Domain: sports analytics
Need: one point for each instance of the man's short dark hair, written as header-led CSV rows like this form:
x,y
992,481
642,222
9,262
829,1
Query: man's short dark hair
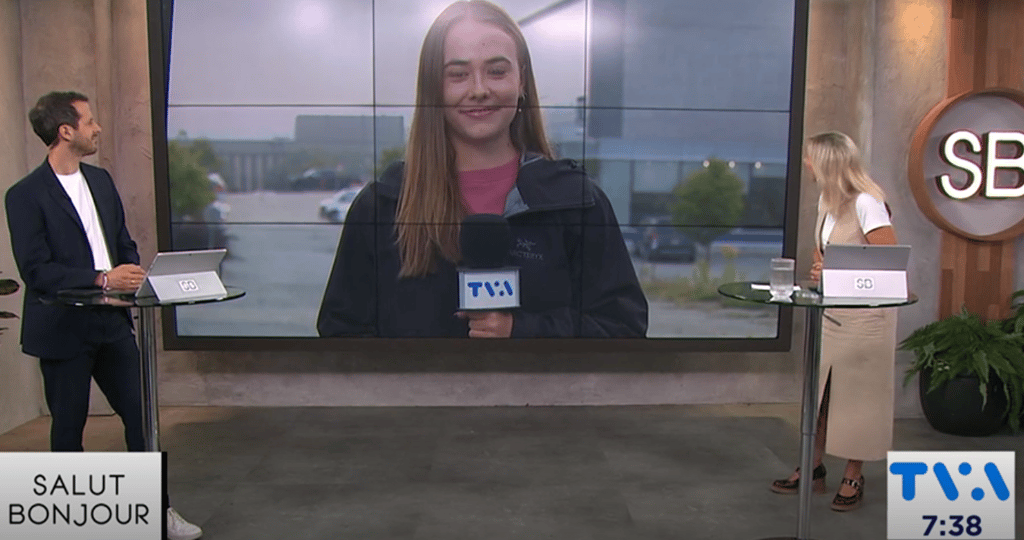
x,y
53,111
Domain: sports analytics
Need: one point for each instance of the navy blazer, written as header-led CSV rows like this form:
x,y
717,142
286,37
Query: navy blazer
x,y
53,253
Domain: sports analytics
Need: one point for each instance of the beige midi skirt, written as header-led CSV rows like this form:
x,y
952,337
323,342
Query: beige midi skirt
x,y
860,355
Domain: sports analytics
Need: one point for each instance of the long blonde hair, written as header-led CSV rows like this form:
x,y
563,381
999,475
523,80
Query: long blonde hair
x,y
837,167
430,204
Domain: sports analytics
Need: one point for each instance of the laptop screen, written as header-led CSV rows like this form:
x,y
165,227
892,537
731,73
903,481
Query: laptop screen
x,y
866,257
203,266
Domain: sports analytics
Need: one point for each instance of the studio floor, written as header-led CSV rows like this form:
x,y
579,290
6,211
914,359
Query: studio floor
x,y
494,473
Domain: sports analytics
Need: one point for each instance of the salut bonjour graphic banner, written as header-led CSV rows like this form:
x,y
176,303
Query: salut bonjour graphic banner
x,y
82,495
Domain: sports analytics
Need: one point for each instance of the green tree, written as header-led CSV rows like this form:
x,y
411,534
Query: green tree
x,y
389,156
592,166
205,156
708,203
190,189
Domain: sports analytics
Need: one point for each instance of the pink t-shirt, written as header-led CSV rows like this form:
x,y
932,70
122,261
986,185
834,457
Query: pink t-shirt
x,y
484,191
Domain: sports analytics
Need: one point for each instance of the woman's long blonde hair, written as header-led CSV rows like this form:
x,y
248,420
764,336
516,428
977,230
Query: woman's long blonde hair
x,y
837,167
430,205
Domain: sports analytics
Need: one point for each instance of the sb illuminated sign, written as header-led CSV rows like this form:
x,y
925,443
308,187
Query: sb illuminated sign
x,y
983,174
966,164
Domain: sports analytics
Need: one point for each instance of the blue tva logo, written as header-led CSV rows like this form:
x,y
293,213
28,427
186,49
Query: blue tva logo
x,y
499,288
910,470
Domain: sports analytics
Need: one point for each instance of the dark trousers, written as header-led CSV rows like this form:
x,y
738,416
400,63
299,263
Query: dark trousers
x,y
111,357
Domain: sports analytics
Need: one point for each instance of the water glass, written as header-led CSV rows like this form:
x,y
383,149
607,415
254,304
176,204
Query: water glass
x,y
781,278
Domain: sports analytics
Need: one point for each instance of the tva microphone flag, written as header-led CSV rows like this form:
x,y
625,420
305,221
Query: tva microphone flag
x,y
486,282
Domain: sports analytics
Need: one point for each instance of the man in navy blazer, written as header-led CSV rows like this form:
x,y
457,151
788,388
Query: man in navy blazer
x,y
68,231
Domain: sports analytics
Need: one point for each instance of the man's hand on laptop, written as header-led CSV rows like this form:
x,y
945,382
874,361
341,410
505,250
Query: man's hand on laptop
x,y
126,277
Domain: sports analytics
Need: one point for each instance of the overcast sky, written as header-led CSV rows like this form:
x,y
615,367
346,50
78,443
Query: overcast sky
x,y
244,70
342,54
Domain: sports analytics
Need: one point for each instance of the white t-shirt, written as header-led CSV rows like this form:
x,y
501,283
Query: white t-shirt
x,y
76,188
871,214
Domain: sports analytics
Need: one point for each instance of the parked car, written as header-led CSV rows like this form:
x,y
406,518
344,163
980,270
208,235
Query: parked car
x,y
322,179
751,241
751,235
335,207
631,236
662,241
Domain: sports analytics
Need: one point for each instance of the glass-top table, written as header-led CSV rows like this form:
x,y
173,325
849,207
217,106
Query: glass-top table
x,y
98,299
806,296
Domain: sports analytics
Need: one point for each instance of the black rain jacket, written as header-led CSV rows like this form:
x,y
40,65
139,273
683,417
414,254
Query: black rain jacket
x,y
576,276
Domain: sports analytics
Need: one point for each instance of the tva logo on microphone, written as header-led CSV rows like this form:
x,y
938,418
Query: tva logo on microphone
x,y
489,289
500,286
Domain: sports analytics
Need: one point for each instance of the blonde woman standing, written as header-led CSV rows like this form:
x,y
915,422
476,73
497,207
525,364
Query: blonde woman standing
x,y
858,345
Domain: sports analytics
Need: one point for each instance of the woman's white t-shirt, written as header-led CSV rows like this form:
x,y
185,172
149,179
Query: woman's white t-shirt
x,y
871,213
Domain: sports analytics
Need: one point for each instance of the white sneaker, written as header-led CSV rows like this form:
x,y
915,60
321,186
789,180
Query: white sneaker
x,y
179,529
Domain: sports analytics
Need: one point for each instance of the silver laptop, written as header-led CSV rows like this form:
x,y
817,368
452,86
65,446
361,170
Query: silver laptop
x,y
184,275
865,273
866,257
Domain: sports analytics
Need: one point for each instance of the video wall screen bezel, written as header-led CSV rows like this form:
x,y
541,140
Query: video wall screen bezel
x,y
160,18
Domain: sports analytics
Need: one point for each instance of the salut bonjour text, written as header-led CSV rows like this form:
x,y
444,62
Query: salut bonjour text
x,y
89,512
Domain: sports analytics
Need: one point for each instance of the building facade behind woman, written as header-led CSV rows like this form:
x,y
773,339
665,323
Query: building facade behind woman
x,y
858,345
477,146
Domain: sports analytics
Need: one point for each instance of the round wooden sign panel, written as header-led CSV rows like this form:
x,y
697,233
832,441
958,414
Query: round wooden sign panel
x,y
966,166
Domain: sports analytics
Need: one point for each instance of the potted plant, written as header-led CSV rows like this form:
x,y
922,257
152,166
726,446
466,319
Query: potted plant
x,y
7,286
1015,322
971,373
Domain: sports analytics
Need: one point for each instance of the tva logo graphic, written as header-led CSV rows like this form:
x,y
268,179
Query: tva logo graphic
x,y
498,288
939,494
910,470
489,289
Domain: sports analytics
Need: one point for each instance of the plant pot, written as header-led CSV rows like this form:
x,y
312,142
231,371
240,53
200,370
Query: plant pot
x,y
956,406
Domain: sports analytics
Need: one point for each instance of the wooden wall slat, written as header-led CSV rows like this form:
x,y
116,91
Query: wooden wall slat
x,y
961,41
980,274
970,295
981,46
1008,252
946,265
1008,44
959,271
984,259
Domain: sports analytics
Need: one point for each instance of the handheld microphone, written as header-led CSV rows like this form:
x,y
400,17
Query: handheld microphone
x,y
486,282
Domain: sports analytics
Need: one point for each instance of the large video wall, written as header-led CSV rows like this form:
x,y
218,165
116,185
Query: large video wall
x,y
280,112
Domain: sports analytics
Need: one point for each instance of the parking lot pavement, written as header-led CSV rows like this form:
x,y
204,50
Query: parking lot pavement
x,y
707,320
283,266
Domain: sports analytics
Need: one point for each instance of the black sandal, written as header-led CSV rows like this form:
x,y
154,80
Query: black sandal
x,y
786,486
842,503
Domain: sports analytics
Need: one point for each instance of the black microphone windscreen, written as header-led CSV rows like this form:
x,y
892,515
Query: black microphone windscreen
x,y
485,240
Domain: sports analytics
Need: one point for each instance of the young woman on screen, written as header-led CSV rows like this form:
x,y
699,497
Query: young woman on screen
x,y
857,345
477,146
